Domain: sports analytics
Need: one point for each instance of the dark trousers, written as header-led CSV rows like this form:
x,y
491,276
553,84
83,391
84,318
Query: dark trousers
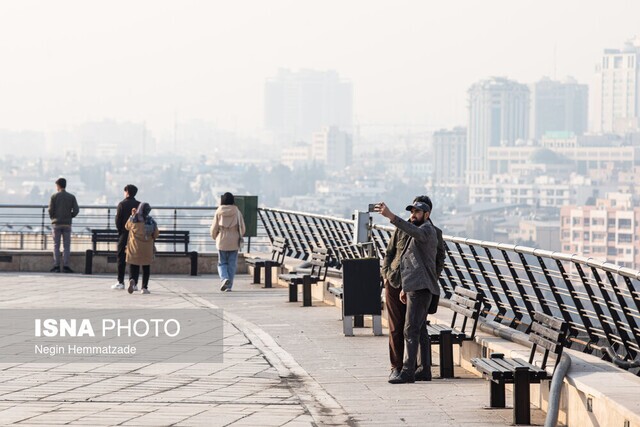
x,y
415,331
122,255
396,312
134,273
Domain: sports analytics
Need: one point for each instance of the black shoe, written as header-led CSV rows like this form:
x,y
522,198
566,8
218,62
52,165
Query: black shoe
x,y
66,269
395,372
55,269
403,378
423,374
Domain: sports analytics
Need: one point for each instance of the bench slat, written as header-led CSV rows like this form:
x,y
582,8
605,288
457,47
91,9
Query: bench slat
x,y
521,362
552,346
490,368
552,322
467,292
438,328
505,365
464,311
545,332
460,300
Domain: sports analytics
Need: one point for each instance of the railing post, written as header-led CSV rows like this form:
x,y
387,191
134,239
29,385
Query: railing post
x,y
534,285
43,246
597,308
505,291
554,290
575,297
523,293
617,320
175,224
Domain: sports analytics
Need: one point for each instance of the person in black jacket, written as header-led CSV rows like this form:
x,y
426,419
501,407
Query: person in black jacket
x,y
122,215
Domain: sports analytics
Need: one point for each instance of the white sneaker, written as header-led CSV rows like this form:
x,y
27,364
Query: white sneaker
x,y
132,286
225,285
144,291
118,286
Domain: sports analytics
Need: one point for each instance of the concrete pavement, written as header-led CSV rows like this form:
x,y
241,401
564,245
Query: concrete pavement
x,y
283,365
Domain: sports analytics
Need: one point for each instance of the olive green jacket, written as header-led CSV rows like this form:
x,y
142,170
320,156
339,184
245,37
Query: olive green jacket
x,y
391,262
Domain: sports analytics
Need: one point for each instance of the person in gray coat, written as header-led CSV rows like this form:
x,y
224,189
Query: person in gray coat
x,y
419,281
63,207
396,310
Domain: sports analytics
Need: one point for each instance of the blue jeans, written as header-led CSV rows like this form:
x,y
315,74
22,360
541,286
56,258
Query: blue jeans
x,y
63,231
227,265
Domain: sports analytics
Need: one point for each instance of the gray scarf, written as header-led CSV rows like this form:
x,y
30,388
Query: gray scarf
x,y
142,215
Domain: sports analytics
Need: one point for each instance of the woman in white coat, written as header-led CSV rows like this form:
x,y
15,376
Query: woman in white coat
x,y
227,229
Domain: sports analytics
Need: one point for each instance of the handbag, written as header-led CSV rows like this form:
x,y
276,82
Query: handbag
x,y
433,306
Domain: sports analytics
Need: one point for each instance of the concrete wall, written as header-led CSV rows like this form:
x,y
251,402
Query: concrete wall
x,y
41,261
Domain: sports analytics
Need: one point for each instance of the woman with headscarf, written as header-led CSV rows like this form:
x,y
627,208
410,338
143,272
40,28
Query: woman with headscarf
x,y
143,231
227,230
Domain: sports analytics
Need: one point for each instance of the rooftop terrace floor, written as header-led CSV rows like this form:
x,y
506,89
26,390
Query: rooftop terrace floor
x,y
284,365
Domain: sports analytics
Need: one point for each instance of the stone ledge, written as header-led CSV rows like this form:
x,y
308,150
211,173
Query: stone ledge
x,y
41,262
613,391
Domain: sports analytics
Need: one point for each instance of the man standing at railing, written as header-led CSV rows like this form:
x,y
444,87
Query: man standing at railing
x,y
415,270
122,216
63,207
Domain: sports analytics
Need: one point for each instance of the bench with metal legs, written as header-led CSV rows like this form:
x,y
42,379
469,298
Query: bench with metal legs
x,y
278,252
466,304
547,332
319,265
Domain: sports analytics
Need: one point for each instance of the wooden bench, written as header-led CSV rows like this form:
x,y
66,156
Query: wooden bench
x,y
319,265
467,304
278,252
547,332
174,237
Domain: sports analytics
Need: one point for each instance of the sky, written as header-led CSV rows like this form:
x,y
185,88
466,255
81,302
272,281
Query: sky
x,y
411,62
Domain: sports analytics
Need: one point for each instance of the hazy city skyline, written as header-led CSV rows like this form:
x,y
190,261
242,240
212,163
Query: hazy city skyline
x,y
68,62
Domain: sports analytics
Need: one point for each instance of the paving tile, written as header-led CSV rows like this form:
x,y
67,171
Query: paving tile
x,y
245,389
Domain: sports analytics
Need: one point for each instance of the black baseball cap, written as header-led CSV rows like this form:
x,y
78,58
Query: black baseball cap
x,y
419,205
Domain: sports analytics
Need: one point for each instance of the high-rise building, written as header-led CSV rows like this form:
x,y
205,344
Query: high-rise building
x,y
616,90
332,147
298,103
449,156
498,116
558,106
604,230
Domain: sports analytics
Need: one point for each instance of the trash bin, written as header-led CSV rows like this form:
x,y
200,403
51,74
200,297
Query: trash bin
x,y
361,292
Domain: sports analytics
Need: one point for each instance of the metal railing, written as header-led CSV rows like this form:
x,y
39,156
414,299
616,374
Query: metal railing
x,y
600,301
27,227
304,231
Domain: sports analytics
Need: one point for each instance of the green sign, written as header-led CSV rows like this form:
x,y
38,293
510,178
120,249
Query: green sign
x,y
248,205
